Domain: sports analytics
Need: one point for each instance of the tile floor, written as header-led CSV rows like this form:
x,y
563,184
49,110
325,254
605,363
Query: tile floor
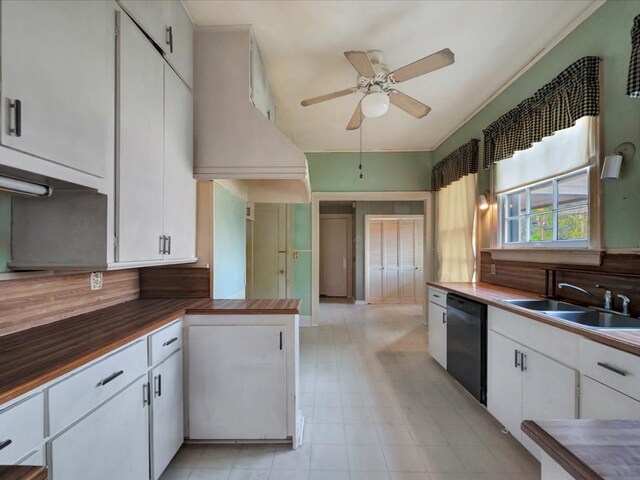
x,y
377,407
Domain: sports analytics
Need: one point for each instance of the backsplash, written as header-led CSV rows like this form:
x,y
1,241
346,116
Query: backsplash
x,y
619,272
30,302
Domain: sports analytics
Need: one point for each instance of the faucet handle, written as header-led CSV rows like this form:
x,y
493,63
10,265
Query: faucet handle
x,y
608,297
625,303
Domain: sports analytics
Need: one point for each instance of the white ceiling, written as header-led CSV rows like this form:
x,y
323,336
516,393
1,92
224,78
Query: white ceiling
x,y
302,44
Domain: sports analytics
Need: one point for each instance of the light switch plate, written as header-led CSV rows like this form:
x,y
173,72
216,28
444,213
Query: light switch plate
x,y
493,269
96,280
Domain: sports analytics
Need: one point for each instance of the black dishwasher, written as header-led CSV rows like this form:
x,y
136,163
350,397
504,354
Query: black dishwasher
x,y
467,344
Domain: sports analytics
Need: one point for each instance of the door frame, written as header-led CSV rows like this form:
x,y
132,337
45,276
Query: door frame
x,y
349,217
367,221
317,197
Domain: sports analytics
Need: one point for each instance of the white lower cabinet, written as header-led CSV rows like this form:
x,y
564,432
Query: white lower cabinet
x,y
438,333
523,384
111,442
598,401
21,429
167,411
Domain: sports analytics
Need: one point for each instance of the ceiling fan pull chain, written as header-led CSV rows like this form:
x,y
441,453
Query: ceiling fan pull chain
x,y
360,166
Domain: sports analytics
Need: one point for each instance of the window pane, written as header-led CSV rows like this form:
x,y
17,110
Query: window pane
x,y
517,204
516,230
573,190
573,224
542,227
542,197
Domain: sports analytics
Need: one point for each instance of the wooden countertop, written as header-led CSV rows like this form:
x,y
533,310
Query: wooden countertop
x,y
33,357
590,449
627,340
23,473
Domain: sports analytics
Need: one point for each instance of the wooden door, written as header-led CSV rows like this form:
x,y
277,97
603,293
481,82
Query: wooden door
x,y
411,255
549,391
438,333
237,382
140,163
504,382
598,401
58,60
391,261
179,185
335,255
167,432
375,264
270,251
112,442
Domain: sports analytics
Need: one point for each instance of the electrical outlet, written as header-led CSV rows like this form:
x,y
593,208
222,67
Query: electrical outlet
x,y
493,269
96,280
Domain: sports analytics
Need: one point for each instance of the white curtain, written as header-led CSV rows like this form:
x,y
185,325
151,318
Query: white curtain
x,y
456,206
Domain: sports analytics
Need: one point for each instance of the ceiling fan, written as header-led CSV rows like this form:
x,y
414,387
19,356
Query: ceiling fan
x,y
377,83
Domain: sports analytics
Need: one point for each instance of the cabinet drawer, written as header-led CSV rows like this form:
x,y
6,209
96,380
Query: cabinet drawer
x,y
21,429
439,297
164,342
76,395
614,368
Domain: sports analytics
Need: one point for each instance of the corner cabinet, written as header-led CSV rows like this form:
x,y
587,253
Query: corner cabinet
x,y
58,71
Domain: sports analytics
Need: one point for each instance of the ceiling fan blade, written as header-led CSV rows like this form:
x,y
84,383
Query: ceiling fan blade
x,y
356,118
408,104
327,96
433,62
360,61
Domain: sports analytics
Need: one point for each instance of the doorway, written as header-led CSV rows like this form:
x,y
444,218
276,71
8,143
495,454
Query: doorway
x,y
336,243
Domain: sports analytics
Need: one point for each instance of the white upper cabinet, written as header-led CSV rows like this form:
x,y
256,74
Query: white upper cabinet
x,y
261,93
58,84
179,185
169,26
140,175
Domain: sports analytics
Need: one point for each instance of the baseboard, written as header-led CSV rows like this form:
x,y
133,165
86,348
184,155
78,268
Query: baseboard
x,y
305,320
362,302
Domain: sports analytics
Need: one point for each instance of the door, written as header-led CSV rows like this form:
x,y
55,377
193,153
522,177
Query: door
x,y
112,442
58,61
179,185
390,261
180,50
411,265
375,266
504,381
335,255
237,382
167,432
140,176
549,392
598,401
153,16
270,251
438,333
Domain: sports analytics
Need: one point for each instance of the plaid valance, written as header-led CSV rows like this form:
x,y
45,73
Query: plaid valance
x,y
462,161
633,82
573,94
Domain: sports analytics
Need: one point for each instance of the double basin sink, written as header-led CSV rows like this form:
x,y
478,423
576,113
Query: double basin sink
x,y
584,316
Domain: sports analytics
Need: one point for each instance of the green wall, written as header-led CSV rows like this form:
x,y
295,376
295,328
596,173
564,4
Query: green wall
x,y
5,231
229,252
605,34
383,171
301,244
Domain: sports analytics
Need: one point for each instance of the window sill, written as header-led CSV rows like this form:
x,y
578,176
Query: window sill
x,y
560,256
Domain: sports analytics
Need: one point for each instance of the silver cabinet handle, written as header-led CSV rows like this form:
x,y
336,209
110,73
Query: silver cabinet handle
x,y
168,252
146,394
515,358
613,369
523,362
161,245
157,386
170,341
436,296
5,443
444,317
110,378
169,39
15,107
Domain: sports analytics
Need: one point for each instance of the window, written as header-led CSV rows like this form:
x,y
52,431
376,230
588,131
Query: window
x,y
551,213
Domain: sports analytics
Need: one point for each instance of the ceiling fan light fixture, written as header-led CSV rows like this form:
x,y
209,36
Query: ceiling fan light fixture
x,y
375,104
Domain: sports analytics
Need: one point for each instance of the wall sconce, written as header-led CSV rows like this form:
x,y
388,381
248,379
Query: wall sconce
x,y
613,162
483,200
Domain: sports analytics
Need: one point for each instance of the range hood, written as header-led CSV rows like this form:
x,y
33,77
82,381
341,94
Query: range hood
x,y
235,135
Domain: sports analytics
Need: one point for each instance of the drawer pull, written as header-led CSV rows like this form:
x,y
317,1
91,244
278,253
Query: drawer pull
x,y
169,342
434,295
612,369
5,444
110,378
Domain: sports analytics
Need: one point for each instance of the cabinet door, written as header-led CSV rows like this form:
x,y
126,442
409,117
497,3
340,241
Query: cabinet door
x,y
600,402
167,432
153,16
180,51
438,333
112,442
237,382
58,61
549,392
140,177
179,185
504,382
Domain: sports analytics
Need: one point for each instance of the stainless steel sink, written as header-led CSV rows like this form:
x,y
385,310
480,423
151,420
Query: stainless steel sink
x,y
546,305
598,319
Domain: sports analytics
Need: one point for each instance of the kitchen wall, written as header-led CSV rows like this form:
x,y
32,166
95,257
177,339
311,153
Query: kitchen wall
x,y
5,231
605,34
229,255
301,246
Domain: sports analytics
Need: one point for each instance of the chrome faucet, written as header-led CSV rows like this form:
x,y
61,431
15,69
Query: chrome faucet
x,y
625,303
581,290
608,297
